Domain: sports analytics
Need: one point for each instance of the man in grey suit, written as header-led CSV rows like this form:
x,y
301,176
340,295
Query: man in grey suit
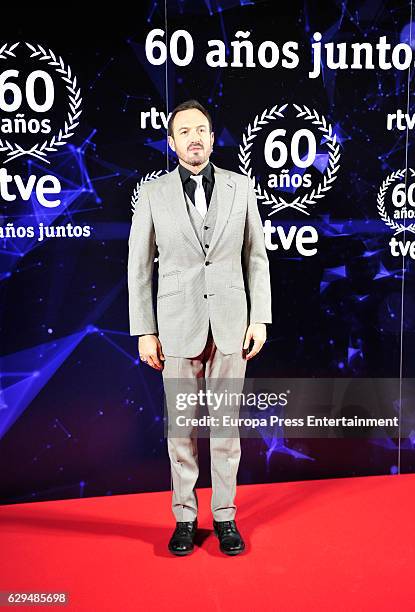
x,y
213,301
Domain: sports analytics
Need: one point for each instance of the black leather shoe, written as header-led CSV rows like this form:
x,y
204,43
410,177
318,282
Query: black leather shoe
x,y
181,542
230,540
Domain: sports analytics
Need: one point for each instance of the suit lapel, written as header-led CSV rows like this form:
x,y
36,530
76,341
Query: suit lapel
x,y
225,192
175,197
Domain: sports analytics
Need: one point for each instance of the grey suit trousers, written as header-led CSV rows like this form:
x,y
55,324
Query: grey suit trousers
x,y
225,452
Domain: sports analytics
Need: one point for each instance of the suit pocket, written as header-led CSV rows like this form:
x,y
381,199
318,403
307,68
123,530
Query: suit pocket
x,y
169,284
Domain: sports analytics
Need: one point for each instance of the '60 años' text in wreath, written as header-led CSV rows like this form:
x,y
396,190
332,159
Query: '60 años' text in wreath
x,y
329,176
398,227
40,150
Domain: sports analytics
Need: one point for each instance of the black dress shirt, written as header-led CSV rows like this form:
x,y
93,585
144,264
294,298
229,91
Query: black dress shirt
x,y
189,186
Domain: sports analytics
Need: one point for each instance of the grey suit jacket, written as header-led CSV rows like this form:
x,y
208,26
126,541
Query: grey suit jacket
x,y
228,285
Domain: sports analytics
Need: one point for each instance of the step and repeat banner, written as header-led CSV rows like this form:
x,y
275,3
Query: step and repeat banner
x,y
313,101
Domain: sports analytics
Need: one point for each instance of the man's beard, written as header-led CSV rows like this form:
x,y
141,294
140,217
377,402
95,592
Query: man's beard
x,y
197,161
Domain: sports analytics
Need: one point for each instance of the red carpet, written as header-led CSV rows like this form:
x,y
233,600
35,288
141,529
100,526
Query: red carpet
x,y
344,544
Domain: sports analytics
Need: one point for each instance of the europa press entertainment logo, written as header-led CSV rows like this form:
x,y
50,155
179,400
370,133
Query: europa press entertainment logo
x,y
396,195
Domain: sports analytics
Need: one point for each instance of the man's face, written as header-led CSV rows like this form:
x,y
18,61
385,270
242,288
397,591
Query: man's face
x,y
191,139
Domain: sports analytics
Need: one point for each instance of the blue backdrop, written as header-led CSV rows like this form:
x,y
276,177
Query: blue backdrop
x,y
79,415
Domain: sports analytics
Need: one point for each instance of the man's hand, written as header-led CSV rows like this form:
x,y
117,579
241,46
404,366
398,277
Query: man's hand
x,y
150,351
258,333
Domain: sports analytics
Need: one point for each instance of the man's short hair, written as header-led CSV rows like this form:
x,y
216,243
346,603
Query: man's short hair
x,y
186,106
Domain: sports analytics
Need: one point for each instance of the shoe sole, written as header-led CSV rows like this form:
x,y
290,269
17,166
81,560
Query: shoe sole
x,y
181,554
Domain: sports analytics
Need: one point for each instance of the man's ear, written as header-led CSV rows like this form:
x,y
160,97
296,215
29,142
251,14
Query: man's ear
x,y
212,135
171,143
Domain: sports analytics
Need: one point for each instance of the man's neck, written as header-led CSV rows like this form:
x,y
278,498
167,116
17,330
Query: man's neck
x,y
194,169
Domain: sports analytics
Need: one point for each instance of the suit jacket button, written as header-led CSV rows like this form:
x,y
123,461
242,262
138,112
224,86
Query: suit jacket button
x,y
205,227
207,263
207,246
205,296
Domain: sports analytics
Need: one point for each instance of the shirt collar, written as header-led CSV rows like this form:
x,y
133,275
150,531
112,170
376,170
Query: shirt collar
x,y
207,172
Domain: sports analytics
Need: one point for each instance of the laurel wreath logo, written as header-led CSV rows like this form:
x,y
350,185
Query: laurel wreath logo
x,y
150,176
279,203
398,227
7,50
40,151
